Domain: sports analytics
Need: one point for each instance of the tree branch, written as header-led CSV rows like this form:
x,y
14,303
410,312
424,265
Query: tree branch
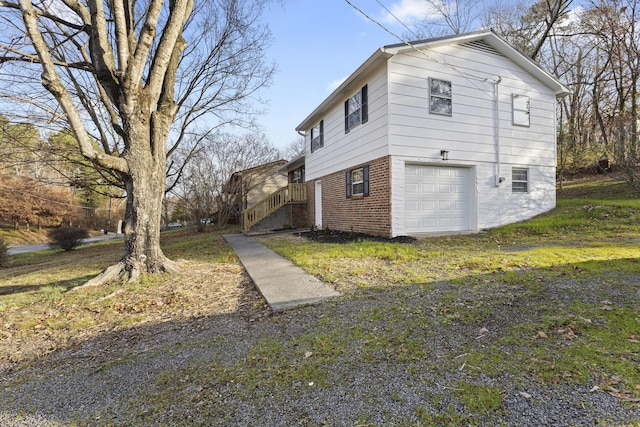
x,y
135,68
122,34
166,60
44,14
100,50
51,81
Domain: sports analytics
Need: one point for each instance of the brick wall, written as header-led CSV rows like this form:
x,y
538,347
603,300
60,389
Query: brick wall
x,y
370,214
298,215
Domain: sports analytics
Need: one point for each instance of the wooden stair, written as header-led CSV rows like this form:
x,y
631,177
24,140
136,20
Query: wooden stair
x,y
290,194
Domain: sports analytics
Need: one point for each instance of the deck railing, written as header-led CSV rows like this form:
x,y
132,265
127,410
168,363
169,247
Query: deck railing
x,y
265,207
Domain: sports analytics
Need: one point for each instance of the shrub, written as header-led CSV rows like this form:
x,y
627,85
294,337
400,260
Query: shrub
x,y
4,252
67,238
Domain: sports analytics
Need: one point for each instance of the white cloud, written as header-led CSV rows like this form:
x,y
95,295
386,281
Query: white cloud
x,y
408,12
334,84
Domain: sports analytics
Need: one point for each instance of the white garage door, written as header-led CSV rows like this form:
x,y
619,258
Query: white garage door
x,y
436,199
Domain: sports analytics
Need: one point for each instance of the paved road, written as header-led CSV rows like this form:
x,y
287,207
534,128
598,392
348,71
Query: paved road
x,y
14,250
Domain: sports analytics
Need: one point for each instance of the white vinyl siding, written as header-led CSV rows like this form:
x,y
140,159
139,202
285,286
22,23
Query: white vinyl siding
x,y
362,143
414,132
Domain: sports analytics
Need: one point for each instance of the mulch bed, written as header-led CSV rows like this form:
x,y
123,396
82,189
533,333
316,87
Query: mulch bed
x,y
333,236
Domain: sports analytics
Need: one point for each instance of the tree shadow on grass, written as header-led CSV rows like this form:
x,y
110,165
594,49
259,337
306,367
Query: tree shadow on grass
x,y
238,369
66,285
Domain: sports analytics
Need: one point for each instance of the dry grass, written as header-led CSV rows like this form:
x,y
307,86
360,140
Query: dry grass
x,y
39,314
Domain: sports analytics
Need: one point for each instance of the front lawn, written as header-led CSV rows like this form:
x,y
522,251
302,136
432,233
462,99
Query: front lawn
x,y
533,324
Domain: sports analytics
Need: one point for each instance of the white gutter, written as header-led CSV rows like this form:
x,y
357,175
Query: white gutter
x,y
496,131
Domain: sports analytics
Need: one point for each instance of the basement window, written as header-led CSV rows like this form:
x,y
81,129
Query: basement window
x,y
520,180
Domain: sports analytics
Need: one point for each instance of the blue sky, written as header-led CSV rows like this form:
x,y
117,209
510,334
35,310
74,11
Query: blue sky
x,y
317,44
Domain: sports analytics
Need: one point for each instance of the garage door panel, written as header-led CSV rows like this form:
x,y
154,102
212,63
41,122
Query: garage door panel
x,y
436,198
444,206
428,188
444,172
427,206
460,208
444,188
444,222
428,223
412,170
427,172
412,188
461,221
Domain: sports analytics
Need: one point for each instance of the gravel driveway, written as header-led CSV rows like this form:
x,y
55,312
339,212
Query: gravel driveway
x,y
275,369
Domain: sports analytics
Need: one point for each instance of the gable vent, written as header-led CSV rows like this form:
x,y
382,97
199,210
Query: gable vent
x,y
481,46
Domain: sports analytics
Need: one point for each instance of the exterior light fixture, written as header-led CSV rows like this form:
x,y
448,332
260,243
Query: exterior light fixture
x,y
444,154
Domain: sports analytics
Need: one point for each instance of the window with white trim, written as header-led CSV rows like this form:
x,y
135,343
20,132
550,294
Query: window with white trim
x,y
521,110
520,180
356,109
317,136
357,182
440,97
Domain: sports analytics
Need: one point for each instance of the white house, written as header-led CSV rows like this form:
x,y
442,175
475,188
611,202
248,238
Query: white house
x,y
447,134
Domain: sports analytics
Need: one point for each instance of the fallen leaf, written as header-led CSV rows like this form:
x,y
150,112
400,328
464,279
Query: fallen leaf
x,y
525,395
540,335
307,354
484,331
568,334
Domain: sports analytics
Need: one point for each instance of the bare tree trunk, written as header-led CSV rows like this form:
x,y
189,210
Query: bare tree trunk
x,y
145,185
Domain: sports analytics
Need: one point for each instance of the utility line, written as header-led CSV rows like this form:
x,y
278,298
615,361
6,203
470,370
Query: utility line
x,y
467,76
396,18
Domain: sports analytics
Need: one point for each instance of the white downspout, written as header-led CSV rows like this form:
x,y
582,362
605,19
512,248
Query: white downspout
x,y
496,131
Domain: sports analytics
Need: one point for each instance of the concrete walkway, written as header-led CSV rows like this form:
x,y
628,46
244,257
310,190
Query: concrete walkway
x,y
282,284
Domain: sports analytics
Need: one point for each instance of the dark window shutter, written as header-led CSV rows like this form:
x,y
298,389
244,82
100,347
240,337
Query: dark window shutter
x,y
348,180
364,98
321,133
365,180
346,116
